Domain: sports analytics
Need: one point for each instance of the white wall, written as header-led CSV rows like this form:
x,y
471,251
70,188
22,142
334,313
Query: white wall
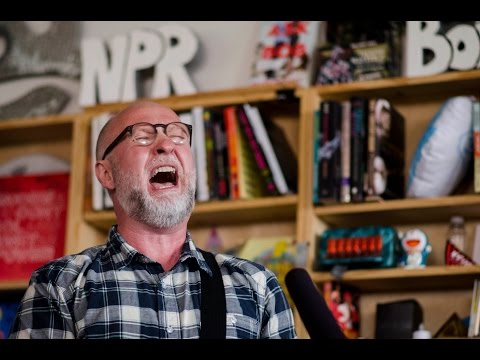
x,y
226,48
223,60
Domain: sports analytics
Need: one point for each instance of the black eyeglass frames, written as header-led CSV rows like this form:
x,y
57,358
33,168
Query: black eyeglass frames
x,y
145,134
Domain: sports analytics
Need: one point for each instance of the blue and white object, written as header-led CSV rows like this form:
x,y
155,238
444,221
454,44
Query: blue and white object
x,y
444,152
414,249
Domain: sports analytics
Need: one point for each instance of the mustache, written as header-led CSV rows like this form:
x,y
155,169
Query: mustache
x,y
162,159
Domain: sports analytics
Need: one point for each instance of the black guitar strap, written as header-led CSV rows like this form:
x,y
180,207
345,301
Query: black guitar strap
x,y
213,309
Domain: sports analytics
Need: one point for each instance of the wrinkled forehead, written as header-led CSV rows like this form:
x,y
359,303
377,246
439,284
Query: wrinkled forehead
x,y
149,112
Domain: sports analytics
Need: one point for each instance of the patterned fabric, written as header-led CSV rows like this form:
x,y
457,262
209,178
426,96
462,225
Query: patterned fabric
x,y
113,291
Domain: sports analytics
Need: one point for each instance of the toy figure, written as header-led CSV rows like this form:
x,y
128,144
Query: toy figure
x,y
414,247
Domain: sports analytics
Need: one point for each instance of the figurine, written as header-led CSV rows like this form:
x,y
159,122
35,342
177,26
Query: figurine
x,y
414,249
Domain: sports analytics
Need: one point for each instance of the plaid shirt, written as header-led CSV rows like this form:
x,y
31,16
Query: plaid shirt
x,y
113,291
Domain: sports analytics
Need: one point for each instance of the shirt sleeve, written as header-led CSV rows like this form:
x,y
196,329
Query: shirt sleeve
x,y
43,313
277,320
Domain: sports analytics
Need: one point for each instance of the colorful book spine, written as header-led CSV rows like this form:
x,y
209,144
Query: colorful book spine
x,y
221,155
262,136
386,152
316,151
476,144
203,193
324,169
345,196
359,111
210,154
330,158
256,150
232,139
251,183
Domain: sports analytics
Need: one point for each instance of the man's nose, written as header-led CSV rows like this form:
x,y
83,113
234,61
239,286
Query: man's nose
x,y
163,143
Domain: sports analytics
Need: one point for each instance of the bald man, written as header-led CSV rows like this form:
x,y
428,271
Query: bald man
x,y
150,280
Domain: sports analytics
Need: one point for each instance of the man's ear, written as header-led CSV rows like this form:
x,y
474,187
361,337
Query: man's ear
x,y
103,172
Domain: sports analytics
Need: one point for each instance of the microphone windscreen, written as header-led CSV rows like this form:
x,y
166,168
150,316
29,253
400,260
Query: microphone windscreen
x,y
310,304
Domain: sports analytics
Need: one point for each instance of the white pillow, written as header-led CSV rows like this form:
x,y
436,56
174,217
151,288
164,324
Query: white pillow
x,y
444,151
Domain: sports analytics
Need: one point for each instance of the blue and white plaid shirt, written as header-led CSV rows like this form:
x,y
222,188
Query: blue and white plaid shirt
x,y
113,291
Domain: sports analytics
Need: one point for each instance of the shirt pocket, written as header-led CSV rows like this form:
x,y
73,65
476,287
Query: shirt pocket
x,y
240,326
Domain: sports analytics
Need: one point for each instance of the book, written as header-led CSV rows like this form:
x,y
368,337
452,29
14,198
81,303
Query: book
x,y
385,152
33,216
262,136
210,153
268,184
287,158
203,193
250,181
285,51
474,324
231,130
358,147
324,190
476,144
221,155
329,157
345,155
317,141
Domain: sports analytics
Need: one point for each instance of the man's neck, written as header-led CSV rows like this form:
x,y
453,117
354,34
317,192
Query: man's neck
x,y
161,245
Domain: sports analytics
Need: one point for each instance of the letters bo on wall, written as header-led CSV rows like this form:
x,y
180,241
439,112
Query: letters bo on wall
x,y
110,69
434,47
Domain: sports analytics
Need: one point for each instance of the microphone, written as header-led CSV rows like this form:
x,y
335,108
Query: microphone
x,y
313,310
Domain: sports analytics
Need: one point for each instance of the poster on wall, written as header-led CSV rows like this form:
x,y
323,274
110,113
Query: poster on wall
x,y
39,68
33,221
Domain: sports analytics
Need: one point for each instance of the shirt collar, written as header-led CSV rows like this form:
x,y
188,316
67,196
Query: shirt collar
x,y
122,253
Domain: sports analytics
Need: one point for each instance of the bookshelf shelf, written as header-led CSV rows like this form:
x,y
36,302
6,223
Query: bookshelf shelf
x,y
460,81
36,130
7,285
399,279
221,212
266,92
404,211
39,121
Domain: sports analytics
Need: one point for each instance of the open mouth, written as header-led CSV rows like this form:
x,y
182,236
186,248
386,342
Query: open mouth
x,y
165,176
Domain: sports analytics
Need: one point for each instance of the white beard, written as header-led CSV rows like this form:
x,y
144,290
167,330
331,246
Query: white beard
x,y
165,212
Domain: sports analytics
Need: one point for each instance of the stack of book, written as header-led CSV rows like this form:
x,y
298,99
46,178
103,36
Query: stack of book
x,y
359,151
474,324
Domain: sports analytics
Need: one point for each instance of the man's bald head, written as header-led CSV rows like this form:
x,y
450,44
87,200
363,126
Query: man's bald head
x,y
130,115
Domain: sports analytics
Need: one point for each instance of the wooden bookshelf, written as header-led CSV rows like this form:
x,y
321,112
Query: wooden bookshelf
x,y
13,285
457,81
418,99
403,211
401,279
222,212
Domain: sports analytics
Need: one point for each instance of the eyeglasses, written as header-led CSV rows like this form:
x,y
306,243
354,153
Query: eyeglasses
x,y
145,134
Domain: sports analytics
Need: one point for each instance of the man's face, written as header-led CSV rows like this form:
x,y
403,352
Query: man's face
x,y
154,184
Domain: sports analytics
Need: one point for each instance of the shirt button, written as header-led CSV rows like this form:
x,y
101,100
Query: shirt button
x,y
234,320
169,329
